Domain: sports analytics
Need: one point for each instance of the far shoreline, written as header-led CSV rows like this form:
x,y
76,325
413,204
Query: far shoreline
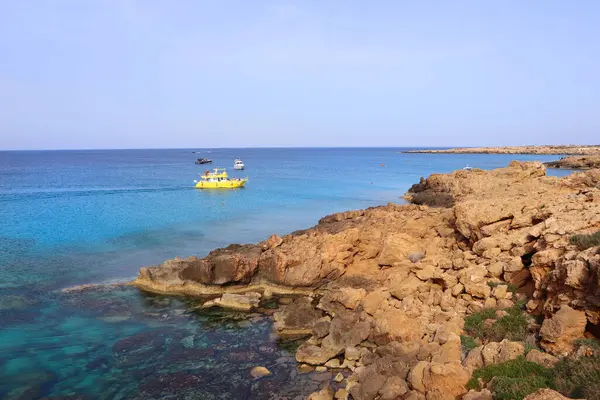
x,y
525,150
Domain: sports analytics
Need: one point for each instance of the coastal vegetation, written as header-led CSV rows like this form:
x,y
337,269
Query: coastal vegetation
x,y
576,377
585,241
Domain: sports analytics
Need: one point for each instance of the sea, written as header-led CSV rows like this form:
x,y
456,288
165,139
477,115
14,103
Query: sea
x,y
75,225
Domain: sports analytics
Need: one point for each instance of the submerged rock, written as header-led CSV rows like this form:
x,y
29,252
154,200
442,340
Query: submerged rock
x,y
238,302
259,372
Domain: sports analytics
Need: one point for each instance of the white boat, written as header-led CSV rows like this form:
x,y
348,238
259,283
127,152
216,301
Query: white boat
x,y
467,168
238,164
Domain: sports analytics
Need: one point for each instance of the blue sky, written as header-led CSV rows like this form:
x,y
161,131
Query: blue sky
x,y
221,73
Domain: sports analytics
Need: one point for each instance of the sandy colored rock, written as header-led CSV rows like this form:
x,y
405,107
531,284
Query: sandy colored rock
x,y
375,300
544,359
259,372
240,302
393,388
546,394
342,394
560,331
445,381
475,395
575,162
324,394
297,318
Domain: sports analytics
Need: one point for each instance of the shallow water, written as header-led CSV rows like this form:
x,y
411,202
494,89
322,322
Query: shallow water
x,y
77,217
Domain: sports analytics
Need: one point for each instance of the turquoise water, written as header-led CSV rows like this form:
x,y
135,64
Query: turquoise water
x,y
78,217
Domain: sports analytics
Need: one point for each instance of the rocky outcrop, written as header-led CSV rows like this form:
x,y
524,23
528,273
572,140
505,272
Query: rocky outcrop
x,y
384,291
575,162
561,330
559,150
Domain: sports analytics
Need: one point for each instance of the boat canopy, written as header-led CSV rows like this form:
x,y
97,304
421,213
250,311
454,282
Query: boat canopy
x,y
217,173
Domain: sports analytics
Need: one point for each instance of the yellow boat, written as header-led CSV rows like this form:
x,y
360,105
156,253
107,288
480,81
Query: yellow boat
x,y
218,179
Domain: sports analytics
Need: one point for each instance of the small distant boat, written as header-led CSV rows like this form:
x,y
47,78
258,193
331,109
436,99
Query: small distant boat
x,y
203,160
467,168
238,164
218,179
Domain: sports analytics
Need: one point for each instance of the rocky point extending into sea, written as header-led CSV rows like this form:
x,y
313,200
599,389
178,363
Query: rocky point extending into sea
x,y
485,269
558,150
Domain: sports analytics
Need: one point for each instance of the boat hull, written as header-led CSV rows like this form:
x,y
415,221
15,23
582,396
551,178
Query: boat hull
x,y
221,185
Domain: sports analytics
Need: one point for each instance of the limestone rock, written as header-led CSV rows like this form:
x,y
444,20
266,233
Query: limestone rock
x,y
240,302
544,359
482,395
375,300
499,352
342,394
393,388
560,331
444,381
347,296
297,318
324,394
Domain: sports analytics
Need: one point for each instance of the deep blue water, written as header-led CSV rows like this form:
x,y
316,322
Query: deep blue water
x,y
77,217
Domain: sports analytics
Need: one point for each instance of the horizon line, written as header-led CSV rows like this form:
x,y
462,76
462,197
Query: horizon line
x,y
292,147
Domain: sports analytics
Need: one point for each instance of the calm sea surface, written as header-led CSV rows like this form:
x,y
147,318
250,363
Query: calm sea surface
x,y
69,218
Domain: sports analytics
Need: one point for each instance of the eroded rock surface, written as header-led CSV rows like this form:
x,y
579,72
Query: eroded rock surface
x,y
390,286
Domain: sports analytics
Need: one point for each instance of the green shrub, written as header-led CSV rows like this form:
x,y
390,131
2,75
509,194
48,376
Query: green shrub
x,y
512,327
578,378
514,379
585,241
467,342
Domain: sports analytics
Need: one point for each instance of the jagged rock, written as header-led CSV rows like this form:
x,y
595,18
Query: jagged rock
x,y
406,287
544,359
347,296
393,388
397,325
440,381
324,394
272,242
314,355
352,353
333,363
240,302
482,395
560,331
375,300
500,292
474,359
342,394
297,318
499,352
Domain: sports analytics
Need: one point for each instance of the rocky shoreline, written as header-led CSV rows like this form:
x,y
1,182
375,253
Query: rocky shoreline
x,y
485,269
575,162
551,150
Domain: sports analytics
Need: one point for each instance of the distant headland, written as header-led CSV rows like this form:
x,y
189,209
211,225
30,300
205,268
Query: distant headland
x,y
559,149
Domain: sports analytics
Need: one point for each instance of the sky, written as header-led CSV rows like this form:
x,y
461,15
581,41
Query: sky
x,y
267,73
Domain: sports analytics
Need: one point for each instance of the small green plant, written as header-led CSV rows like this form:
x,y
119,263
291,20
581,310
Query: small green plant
x,y
514,379
467,342
585,241
494,284
578,378
512,326
511,288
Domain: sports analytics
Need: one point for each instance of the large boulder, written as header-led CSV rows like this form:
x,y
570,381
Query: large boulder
x,y
560,331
